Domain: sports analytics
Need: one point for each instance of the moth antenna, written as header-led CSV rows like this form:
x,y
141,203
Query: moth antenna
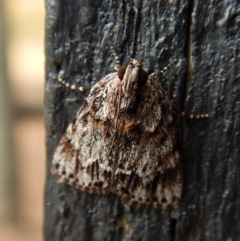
x,y
190,116
170,64
73,87
117,62
154,76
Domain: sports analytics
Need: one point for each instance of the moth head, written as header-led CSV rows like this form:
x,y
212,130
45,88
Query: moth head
x,y
133,77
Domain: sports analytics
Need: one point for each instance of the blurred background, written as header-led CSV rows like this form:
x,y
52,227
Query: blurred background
x,y
22,144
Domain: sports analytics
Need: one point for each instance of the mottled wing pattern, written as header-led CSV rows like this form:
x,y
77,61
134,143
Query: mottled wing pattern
x,y
128,150
80,158
147,169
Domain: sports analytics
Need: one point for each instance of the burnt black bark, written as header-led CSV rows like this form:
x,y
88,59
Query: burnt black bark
x,y
205,40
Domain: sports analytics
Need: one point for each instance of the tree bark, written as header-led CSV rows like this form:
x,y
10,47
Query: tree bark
x,y
204,37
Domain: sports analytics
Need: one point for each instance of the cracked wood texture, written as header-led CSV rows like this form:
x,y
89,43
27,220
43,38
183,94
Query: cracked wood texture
x,y
204,37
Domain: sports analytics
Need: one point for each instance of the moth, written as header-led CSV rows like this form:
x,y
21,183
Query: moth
x,y
122,141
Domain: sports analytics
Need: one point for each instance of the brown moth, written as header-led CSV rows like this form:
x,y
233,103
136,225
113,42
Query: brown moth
x,y
122,141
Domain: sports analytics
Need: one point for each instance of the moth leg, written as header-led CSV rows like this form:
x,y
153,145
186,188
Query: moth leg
x,y
114,53
73,87
190,116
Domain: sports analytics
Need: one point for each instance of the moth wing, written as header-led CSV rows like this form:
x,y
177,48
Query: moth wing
x,y
149,175
80,157
148,172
